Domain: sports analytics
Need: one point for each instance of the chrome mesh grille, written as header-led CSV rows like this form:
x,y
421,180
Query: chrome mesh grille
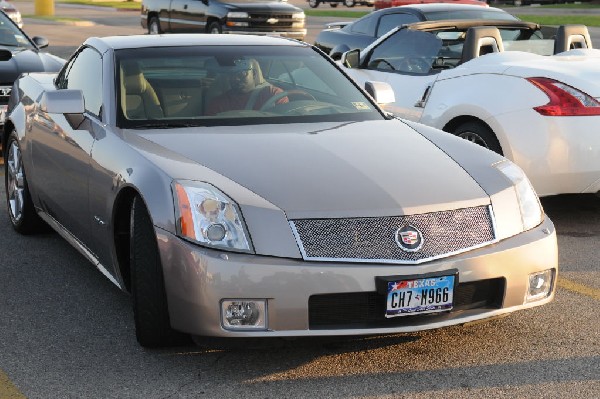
x,y
373,239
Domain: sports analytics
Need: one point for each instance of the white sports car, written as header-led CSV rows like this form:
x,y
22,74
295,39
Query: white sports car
x,y
523,91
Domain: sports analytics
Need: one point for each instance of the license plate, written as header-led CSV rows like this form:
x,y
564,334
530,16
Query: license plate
x,y
419,296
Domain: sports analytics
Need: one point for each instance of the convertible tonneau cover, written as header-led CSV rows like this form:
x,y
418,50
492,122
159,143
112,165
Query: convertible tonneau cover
x,y
467,23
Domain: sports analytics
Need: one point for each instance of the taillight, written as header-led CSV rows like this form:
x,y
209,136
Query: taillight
x,y
564,99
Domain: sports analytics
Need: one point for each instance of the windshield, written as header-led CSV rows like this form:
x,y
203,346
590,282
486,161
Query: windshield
x,y
423,53
10,35
234,85
254,1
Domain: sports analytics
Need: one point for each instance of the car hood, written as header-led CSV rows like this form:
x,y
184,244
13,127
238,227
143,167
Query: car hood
x,y
577,68
27,61
330,169
263,7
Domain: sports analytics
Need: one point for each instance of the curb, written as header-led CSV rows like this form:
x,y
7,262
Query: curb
x,y
97,8
41,21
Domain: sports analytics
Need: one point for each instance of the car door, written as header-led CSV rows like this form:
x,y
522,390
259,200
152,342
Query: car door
x,y
188,15
61,153
407,60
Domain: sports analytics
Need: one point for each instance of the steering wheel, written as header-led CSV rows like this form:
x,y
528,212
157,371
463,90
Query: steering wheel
x,y
414,64
292,95
377,62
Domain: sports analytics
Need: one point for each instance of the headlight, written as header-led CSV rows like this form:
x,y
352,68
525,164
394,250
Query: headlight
x,y
531,210
298,15
207,216
237,14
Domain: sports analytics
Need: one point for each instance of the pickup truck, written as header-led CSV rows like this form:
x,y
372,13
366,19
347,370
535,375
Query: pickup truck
x,y
227,16
347,3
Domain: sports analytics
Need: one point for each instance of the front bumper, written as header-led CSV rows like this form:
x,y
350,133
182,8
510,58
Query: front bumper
x,y
296,34
198,279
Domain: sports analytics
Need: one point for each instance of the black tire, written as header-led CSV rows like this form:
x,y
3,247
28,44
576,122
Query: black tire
x,y
150,310
214,28
333,5
313,3
154,26
479,133
21,211
349,3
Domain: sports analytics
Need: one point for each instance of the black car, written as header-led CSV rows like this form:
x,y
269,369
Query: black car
x,y
20,54
223,16
341,37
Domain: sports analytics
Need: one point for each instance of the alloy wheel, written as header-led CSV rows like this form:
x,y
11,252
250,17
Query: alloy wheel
x,y
15,186
474,138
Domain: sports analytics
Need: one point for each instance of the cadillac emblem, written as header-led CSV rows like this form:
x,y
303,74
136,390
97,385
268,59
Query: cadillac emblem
x,y
409,238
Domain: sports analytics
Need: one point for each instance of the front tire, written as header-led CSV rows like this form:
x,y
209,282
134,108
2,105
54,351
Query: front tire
x,y
150,310
154,26
21,211
313,3
479,133
215,28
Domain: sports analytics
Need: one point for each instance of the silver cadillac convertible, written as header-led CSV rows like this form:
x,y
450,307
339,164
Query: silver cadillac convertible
x,y
242,186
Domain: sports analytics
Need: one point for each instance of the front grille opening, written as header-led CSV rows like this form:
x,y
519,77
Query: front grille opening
x,y
375,239
366,309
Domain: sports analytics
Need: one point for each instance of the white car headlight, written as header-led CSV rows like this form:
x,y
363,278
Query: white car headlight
x,y
298,15
237,14
207,216
531,209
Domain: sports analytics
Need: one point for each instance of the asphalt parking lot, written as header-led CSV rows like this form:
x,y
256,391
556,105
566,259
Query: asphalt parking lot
x,y
66,332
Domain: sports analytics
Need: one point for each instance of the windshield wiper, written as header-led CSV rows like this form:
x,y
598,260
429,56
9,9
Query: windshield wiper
x,y
155,125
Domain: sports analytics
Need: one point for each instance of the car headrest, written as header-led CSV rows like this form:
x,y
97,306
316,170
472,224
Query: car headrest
x,y
481,40
570,37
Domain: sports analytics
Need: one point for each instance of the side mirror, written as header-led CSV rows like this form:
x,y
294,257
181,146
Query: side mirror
x,y
381,92
337,52
351,59
40,41
68,101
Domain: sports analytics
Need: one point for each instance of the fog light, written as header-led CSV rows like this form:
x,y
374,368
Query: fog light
x,y
540,285
244,314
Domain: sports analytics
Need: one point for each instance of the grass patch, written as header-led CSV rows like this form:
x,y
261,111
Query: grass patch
x,y
336,14
126,5
588,20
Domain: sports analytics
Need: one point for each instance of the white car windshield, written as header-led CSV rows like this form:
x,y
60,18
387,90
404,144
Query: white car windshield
x,y
234,85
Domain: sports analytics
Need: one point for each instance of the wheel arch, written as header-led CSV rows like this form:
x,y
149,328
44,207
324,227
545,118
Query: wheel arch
x,y
121,228
212,19
455,122
8,128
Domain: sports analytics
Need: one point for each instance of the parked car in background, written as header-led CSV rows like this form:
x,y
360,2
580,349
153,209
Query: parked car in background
x,y
347,3
232,196
227,16
344,36
528,93
12,12
20,54
381,4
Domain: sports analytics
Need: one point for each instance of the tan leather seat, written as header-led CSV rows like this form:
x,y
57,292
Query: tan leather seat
x,y
138,98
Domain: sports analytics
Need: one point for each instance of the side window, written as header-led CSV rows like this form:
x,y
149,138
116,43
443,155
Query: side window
x,y
84,72
365,26
390,21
